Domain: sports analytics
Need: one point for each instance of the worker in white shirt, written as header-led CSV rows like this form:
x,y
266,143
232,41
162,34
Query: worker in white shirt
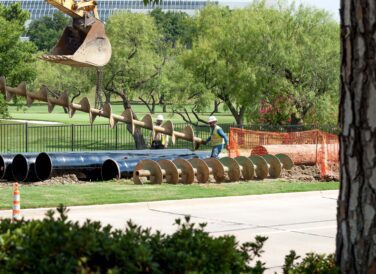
x,y
160,140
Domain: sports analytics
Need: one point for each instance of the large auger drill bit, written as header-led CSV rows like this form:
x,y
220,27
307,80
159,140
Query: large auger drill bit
x,y
84,106
221,170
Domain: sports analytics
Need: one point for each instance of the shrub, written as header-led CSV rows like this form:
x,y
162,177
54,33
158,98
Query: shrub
x,y
313,263
58,245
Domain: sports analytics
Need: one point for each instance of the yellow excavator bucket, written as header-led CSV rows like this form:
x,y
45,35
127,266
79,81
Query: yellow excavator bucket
x,y
82,47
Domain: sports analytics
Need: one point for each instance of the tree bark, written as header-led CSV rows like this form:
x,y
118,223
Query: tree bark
x,y
356,216
98,89
216,106
238,114
162,103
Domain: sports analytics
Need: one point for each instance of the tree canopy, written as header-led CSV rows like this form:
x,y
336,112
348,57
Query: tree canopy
x,y
138,54
16,56
46,31
174,26
62,79
285,57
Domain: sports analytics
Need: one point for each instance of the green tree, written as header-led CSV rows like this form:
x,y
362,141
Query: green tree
x,y
138,55
175,26
60,79
45,31
225,60
276,55
306,49
16,56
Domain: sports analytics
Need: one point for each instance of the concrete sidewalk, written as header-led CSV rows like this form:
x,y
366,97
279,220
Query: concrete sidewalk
x,y
303,222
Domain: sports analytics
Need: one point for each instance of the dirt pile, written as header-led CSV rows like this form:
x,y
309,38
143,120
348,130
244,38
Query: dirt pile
x,y
62,180
307,174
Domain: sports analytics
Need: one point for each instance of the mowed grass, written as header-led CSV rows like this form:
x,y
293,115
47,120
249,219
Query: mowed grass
x,y
39,112
125,191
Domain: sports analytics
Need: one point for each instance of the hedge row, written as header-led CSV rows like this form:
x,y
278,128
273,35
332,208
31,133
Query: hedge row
x,y
57,245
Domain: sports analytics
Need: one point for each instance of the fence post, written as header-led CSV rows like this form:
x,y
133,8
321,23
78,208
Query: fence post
x,y
72,137
116,137
26,136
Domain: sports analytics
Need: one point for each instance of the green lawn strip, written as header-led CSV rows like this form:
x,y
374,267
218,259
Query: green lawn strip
x,y
126,192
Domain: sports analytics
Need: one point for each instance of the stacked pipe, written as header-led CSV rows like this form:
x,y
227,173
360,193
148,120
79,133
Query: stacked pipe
x,y
29,167
204,170
84,106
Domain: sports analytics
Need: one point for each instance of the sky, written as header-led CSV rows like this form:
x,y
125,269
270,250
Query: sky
x,y
330,5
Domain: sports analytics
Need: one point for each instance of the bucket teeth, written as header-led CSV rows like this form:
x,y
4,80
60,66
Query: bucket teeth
x,y
48,57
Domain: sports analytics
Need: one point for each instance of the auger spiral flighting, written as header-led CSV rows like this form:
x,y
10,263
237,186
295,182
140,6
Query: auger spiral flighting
x,y
210,169
106,112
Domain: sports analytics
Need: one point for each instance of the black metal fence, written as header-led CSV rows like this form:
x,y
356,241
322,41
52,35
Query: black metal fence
x,y
38,138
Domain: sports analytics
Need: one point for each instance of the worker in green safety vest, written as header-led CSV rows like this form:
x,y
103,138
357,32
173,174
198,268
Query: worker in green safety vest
x,y
160,140
218,139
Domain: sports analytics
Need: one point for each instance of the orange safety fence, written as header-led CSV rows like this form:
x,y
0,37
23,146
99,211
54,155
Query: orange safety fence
x,y
313,147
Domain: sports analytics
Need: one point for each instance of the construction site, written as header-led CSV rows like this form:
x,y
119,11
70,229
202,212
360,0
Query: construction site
x,y
251,155
157,140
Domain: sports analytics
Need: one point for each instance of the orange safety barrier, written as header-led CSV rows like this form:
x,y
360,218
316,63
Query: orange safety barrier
x,y
312,147
16,213
300,154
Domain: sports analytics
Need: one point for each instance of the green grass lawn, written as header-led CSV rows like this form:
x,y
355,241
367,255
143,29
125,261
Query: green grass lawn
x,y
125,191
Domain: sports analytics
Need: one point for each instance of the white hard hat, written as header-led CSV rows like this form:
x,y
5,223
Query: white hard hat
x,y
160,117
212,119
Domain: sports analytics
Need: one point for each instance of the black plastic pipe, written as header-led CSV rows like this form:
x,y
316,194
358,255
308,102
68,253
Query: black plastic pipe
x,y
123,168
116,169
6,166
88,164
23,167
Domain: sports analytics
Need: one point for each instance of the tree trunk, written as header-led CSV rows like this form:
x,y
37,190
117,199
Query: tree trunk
x,y
294,119
216,106
238,114
138,137
163,103
153,103
356,217
98,90
107,96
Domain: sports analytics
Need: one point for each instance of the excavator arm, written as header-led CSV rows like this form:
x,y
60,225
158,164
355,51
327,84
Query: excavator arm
x,y
84,44
75,9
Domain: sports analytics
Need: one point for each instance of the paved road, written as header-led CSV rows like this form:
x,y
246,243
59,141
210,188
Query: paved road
x,y
301,221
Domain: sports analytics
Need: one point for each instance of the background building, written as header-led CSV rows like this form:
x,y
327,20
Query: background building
x,y
40,8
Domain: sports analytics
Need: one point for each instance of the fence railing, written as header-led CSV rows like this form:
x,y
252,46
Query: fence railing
x,y
49,138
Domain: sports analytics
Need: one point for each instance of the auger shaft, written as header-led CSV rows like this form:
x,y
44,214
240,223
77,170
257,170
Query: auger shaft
x,y
106,112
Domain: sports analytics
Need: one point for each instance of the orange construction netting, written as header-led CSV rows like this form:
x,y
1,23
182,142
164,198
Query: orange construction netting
x,y
312,147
